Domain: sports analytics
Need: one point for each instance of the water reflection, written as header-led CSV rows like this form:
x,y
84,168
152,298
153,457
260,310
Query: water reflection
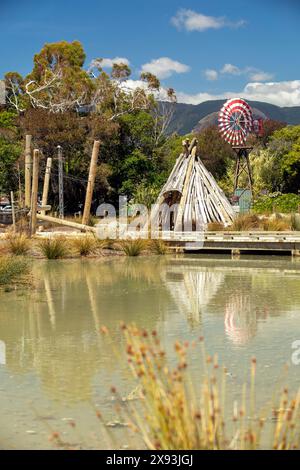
x,y
53,331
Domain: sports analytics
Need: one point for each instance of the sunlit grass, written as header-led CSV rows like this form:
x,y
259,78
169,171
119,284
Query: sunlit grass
x,y
54,248
18,243
175,414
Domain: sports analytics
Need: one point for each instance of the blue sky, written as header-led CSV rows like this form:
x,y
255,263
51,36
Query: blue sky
x,y
204,49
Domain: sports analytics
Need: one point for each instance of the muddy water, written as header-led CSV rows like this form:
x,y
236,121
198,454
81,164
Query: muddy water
x,y
55,367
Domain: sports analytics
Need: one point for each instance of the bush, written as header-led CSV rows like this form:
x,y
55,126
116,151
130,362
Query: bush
x,y
85,245
245,222
133,247
277,202
53,248
18,243
276,225
12,269
158,247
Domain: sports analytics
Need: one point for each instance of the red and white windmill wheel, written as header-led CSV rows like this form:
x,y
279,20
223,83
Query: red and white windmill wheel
x,y
235,121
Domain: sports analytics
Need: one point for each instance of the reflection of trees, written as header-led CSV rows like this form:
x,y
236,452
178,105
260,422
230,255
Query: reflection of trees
x,y
56,330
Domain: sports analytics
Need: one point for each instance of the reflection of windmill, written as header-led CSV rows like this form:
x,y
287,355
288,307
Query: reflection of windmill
x,y
192,289
235,124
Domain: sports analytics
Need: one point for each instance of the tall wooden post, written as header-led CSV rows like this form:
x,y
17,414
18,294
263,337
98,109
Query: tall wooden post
x,y
28,170
46,183
91,183
34,193
12,202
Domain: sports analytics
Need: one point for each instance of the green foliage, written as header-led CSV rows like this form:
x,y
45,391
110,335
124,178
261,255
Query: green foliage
x,y
9,153
214,151
7,120
146,194
277,202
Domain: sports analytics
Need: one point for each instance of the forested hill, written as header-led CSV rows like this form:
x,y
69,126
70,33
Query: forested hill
x,y
187,116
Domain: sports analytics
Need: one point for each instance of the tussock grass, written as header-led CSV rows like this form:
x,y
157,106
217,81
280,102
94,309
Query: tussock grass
x,y
175,414
18,243
215,227
158,247
275,225
54,248
85,245
13,270
295,222
133,247
245,222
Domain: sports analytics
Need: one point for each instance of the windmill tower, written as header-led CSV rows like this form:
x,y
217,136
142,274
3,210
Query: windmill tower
x,y
235,124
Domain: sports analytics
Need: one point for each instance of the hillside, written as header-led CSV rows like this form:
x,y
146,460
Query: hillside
x,y
187,117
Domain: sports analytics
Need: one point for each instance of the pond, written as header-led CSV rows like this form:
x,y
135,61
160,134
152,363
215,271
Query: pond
x,y
56,367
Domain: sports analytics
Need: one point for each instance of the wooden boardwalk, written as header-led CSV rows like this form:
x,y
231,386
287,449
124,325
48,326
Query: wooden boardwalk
x,y
235,243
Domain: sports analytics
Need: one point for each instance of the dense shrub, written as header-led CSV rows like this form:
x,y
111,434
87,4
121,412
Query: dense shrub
x,y
277,202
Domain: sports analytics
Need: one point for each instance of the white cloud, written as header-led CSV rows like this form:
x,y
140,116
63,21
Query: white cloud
x,y
193,21
231,69
285,93
108,63
131,85
251,72
211,74
260,76
164,67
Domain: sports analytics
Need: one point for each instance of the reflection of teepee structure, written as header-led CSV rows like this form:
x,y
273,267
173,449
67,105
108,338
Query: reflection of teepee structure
x,y
192,289
193,189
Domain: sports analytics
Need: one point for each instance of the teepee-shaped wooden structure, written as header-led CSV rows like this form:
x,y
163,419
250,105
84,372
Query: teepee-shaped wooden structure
x,y
194,193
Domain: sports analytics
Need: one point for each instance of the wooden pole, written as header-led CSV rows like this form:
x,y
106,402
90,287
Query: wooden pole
x,y
67,223
34,193
28,167
91,183
46,183
12,201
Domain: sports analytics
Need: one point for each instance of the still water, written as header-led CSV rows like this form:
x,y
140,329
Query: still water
x,y
55,366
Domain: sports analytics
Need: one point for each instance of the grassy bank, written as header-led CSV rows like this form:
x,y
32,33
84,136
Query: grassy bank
x,y
13,270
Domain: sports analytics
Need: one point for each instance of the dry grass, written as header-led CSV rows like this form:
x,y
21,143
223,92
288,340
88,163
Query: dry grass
x,y
245,222
18,243
85,245
275,225
133,247
158,247
54,248
215,227
174,414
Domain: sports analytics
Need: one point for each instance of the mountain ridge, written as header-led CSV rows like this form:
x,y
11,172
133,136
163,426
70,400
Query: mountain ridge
x,y
187,116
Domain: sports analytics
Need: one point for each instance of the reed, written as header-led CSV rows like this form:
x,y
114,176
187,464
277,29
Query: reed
x,y
175,414
54,248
